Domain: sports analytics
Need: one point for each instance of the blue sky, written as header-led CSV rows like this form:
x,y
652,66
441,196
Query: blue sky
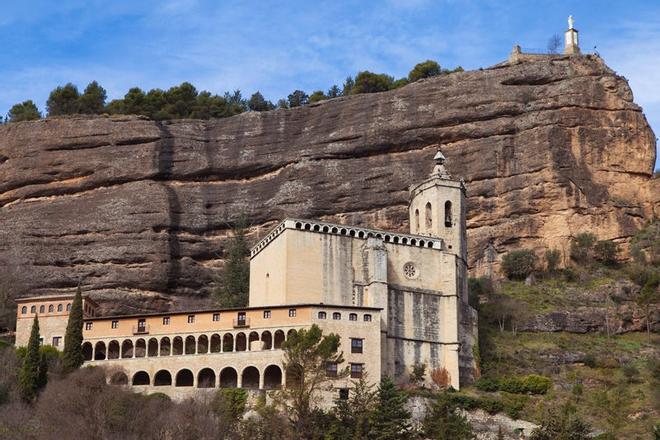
x,y
277,46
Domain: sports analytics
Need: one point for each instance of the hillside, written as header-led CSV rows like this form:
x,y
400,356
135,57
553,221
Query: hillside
x,y
139,210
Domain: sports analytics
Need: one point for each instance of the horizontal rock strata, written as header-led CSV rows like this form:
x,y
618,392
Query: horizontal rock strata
x,y
139,210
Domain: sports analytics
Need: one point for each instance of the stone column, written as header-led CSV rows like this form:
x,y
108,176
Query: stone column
x,y
239,379
261,380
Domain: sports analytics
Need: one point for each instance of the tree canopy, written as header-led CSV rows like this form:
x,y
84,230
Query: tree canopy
x,y
25,111
72,357
233,284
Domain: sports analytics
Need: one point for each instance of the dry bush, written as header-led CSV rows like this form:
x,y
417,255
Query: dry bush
x,y
83,406
441,378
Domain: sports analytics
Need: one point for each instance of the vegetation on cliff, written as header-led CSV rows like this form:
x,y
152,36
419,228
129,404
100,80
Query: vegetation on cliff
x,y
185,101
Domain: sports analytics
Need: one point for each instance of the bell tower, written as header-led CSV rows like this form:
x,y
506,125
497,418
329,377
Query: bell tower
x,y
437,209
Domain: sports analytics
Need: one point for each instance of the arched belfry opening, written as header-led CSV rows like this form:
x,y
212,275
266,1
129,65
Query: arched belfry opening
x,y
416,219
448,214
428,222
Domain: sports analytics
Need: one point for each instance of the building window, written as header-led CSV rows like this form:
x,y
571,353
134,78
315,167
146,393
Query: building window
x,y
331,369
56,341
356,345
88,326
216,317
336,316
343,393
114,324
59,307
51,309
24,310
409,270
417,219
266,314
191,319
367,318
41,341
33,309
42,309
356,371
68,307
322,315
448,221
292,313
352,317
429,219
166,320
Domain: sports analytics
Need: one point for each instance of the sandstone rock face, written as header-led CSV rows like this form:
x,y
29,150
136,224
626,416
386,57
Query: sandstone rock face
x,y
138,210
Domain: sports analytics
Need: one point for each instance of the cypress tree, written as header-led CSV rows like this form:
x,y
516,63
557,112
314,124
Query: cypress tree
x,y
29,374
72,356
391,420
233,285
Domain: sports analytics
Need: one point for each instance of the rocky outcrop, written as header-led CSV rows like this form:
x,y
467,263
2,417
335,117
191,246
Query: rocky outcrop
x,y
139,209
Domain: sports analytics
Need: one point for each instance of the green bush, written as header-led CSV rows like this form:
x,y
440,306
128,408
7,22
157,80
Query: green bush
x,y
582,247
514,404
552,259
519,264
590,361
532,384
605,251
468,403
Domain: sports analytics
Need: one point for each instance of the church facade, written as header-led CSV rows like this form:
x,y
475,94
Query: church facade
x,y
396,301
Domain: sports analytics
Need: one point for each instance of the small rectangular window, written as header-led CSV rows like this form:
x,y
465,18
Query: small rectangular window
x,y
336,316
266,314
114,324
88,326
56,341
322,315
356,345
343,393
352,317
191,319
166,320
292,313
356,371
216,317
367,318
331,369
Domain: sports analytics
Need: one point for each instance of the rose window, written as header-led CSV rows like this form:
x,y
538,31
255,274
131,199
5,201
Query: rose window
x,y
409,270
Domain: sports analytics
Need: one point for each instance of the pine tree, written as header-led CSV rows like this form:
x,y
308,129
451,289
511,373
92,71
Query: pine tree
x,y
391,420
444,423
92,101
234,282
353,416
72,357
29,374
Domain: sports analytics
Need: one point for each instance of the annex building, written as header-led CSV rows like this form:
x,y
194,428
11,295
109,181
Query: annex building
x,y
396,300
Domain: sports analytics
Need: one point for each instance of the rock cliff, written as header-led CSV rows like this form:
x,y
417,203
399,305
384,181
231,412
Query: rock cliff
x,y
139,209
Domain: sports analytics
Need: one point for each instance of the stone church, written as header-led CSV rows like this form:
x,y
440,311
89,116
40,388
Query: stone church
x,y
396,300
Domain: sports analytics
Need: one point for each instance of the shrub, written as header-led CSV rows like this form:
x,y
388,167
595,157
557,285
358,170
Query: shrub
x,y
514,404
532,384
552,259
630,372
519,264
369,82
590,361
606,252
417,374
441,377
425,69
582,247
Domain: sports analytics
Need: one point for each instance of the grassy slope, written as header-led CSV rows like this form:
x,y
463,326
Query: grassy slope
x,y
609,401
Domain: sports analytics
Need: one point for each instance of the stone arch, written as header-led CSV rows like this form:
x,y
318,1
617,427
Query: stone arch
x,y
241,342
272,377
203,344
113,350
404,240
334,230
250,378
140,348
177,345
99,351
317,228
184,378
119,378
141,378
395,239
253,337
228,378
267,339
360,234
228,342
325,229
162,378
298,225
152,347
307,226
278,339
87,351
127,349
165,346
206,378
428,221
216,344
448,214
190,344
413,242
